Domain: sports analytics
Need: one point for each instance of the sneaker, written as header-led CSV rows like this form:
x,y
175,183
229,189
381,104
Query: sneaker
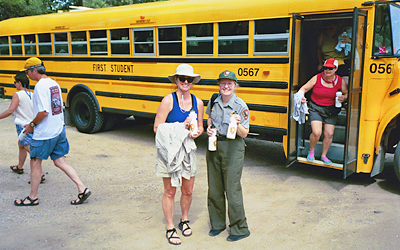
x,y
310,156
237,237
326,160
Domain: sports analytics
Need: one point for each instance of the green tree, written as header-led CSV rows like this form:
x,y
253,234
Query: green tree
x,y
17,8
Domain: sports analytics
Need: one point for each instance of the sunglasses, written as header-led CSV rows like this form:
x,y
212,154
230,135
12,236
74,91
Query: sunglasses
x,y
15,82
325,68
188,79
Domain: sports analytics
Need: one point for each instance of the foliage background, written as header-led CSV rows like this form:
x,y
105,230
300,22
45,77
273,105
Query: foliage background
x,y
19,8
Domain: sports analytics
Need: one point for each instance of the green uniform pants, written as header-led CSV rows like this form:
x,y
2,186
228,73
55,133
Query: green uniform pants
x,y
224,171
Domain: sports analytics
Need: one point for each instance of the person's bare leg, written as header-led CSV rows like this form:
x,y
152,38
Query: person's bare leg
x,y
21,155
168,205
36,169
186,200
328,135
316,127
71,173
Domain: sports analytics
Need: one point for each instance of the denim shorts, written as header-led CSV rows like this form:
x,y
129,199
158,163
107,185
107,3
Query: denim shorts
x,y
28,137
55,148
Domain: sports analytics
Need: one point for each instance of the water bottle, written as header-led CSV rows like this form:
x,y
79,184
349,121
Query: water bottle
x,y
342,45
212,140
337,103
232,129
193,122
22,135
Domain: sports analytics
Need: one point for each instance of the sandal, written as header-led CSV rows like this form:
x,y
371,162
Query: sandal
x,y
81,197
31,202
186,222
41,181
173,230
17,170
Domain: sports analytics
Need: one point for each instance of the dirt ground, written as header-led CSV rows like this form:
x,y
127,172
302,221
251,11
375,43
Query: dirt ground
x,y
301,207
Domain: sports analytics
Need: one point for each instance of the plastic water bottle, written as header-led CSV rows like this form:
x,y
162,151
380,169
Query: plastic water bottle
x,y
193,122
337,103
232,129
212,140
342,45
22,135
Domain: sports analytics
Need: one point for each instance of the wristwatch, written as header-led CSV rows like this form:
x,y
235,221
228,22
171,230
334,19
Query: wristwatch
x,y
33,124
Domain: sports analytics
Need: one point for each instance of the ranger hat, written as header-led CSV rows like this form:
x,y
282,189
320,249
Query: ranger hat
x,y
227,75
31,63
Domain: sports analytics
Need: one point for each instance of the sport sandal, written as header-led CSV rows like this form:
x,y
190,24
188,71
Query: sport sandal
x,y
172,231
186,222
81,197
31,202
17,170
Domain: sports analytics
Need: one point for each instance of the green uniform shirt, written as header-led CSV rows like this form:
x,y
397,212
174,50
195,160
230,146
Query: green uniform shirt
x,y
221,115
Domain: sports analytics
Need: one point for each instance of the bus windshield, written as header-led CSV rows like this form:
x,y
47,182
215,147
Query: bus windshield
x,y
387,34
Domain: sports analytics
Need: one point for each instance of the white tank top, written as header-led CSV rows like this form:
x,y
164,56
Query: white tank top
x,y
24,112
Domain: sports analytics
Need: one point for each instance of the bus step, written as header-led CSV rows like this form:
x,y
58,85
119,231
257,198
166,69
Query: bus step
x,y
335,152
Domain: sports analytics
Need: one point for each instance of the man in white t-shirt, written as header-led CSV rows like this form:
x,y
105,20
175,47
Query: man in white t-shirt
x,y
49,138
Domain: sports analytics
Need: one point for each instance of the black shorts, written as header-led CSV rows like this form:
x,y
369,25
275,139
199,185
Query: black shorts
x,y
324,114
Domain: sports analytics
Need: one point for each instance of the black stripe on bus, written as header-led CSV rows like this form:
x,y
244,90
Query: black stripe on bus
x,y
255,107
253,128
248,84
237,60
32,87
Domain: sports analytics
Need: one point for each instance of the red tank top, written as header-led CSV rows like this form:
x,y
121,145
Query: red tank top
x,y
325,96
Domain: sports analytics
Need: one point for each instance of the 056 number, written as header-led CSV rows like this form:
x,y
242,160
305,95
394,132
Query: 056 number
x,y
248,71
380,68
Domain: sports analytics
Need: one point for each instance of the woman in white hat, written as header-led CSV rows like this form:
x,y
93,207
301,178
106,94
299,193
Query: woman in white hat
x,y
176,107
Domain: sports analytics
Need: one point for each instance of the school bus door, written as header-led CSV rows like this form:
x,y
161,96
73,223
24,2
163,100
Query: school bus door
x,y
354,91
292,149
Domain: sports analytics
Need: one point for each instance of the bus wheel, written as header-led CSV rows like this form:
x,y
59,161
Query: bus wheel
x,y
84,113
396,162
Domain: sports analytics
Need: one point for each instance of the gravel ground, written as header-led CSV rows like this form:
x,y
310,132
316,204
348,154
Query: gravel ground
x,y
301,207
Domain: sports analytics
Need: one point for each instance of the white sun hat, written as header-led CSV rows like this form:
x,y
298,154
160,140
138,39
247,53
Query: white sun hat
x,y
185,70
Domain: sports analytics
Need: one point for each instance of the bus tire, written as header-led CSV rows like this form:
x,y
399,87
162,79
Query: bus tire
x,y
396,163
85,114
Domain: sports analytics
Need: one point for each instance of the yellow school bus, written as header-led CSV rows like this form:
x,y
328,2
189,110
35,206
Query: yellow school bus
x,y
114,62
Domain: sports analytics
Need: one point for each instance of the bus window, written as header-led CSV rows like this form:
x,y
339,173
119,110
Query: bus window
x,y
44,41
383,35
16,46
233,38
30,45
143,42
271,37
4,49
199,40
98,43
78,43
120,42
395,19
170,41
61,44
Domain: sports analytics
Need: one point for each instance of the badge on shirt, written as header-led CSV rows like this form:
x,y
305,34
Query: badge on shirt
x,y
245,114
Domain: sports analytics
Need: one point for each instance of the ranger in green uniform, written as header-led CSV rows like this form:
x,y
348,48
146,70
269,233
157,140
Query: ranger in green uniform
x,y
225,165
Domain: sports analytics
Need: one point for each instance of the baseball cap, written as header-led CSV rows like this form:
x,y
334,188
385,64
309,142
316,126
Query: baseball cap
x,y
227,75
331,63
31,63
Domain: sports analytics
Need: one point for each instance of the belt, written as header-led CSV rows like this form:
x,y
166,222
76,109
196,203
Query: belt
x,y
222,138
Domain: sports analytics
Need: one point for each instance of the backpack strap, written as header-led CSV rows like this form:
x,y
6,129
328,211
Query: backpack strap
x,y
213,97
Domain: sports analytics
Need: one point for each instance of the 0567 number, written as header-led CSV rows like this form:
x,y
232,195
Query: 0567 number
x,y
381,68
248,71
